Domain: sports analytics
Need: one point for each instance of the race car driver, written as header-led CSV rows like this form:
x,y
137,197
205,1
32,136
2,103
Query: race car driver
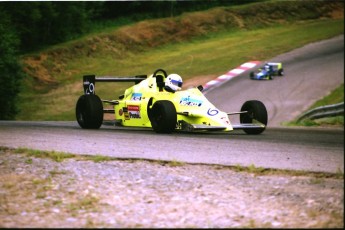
x,y
173,83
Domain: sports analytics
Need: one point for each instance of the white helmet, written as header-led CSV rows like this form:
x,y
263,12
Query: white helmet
x,y
173,82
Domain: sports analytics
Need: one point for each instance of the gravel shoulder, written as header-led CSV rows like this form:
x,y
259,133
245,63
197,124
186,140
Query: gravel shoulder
x,y
76,193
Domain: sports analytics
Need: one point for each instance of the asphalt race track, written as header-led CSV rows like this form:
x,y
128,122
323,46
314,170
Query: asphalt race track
x,y
310,73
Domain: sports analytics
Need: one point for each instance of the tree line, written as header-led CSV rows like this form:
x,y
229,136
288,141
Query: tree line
x,y
27,26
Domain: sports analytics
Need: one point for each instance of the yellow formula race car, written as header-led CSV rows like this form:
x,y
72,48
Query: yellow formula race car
x,y
158,102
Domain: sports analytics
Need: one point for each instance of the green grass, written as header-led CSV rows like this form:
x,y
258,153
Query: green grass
x,y
337,121
56,156
214,53
335,97
100,158
252,169
193,44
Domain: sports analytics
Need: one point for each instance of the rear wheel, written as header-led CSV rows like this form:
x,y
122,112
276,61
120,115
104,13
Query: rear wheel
x,y
256,112
163,117
89,111
281,72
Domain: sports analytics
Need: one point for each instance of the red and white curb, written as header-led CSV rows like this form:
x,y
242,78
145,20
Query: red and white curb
x,y
230,75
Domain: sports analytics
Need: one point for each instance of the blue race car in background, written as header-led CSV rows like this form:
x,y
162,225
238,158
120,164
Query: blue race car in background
x,y
267,72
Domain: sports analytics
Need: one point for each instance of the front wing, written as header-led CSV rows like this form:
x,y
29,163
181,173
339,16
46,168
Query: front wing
x,y
199,127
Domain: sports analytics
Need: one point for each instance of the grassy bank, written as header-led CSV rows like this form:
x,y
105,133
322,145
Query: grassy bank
x,y
336,96
258,171
54,85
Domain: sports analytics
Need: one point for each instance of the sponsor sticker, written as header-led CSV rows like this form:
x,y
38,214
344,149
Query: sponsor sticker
x,y
136,96
188,101
225,120
133,111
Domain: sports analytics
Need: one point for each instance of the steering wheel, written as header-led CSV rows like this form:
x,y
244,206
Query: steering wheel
x,y
160,70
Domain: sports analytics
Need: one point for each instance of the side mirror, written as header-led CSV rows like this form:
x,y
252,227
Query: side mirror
x,y
201,88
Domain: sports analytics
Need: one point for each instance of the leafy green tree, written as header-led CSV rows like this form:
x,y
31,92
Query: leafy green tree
x,y
42,23
10,69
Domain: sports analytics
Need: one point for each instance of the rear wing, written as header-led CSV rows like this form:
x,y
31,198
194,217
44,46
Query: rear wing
x,y
89,81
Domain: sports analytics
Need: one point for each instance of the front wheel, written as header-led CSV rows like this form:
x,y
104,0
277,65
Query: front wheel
x,y
89,111
163,116
256,112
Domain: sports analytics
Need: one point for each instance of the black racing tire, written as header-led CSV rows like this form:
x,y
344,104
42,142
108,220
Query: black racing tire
x,y
256,111
89,111
270,77
281,72
251,75
163,116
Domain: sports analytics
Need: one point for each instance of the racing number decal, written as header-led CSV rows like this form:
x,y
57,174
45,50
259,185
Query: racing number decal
x,y
212,112
89,84
90,89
